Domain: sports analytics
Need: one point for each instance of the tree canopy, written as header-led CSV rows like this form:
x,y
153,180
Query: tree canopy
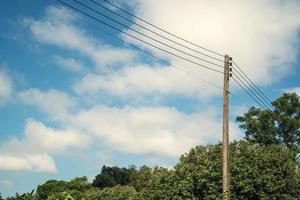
x,y
112,176
278,126
257,172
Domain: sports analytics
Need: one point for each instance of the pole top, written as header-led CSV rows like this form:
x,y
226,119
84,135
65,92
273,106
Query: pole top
x,y
228,57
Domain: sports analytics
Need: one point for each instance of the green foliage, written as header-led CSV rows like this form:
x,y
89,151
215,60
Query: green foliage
x,y
256,172
53,187
50,187
166,184
1,198
141,178
264,172
80,184
114,193
278,126
112,176
62,196
202,167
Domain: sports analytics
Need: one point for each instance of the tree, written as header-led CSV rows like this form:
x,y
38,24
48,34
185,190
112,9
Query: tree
x,y
256,172
63,196
114,193
141,178
168,185
56,189
259,172
50,187
202,168
80,184
112,176
278,126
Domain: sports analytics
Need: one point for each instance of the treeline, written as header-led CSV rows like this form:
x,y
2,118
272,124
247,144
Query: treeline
x,y
264,165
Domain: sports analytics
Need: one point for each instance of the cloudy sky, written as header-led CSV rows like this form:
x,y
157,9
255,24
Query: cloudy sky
x,y
73,98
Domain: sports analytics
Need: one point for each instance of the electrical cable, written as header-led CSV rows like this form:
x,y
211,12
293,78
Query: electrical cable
x,y
132,29
250,88
117,29
253,93
146,52
255,87
162,60
161,29
154,32
249,93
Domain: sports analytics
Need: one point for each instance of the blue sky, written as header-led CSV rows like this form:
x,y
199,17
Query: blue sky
x,y
73,99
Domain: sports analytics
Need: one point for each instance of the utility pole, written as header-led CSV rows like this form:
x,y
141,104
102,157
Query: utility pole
x,y
226,174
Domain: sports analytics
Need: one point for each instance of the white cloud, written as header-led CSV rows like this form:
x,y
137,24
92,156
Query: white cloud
x,y
291,90
260,35
68,63
54,102
39,138
33,151
55,29
27,162
6,87
140,81
160,131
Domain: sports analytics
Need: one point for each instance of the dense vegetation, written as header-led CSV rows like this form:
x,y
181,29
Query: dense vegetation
x,y
264,165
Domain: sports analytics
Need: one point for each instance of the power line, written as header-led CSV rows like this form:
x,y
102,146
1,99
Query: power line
x,y
255,88
92,17
252,83
154,32
250,87
163,30
241,81
156,57
249,93
148,53
117,29
151,38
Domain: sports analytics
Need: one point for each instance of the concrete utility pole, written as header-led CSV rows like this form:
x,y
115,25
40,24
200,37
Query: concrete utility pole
x,y
226,174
